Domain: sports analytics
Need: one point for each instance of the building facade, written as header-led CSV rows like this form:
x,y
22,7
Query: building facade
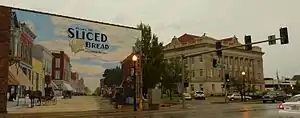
x,y
61,70
44,57
127,67
81,85
37,74
272,84
201,73
75,81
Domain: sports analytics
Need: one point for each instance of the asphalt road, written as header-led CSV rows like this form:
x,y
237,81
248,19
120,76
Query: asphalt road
x,y
193,114
195,109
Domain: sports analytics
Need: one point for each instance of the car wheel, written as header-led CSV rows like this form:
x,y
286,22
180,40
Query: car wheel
x,y
264,101
203,98
231,99
247,99
273,101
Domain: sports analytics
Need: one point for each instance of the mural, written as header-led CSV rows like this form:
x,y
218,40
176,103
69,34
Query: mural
x,y
82,47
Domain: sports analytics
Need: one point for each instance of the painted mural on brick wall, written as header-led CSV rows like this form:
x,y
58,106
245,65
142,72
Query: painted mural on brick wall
x,y
74,52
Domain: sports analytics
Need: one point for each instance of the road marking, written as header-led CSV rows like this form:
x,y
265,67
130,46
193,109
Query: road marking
x,y
246,112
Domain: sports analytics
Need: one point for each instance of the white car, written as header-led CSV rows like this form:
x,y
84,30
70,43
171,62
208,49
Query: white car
x,y
236,96
187,96
199,95
291,107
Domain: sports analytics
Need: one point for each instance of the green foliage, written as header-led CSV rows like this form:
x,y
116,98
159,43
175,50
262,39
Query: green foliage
x,y
152,56
112,76
171,76
97,91
87,90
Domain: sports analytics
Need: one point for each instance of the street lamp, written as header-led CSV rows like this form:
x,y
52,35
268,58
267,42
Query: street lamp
x,y
134,59
244,86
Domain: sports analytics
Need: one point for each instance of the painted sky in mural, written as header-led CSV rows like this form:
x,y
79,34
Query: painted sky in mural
x,y
92,47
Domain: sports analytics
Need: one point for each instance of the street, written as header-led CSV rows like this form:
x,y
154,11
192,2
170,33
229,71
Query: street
x,y
84,106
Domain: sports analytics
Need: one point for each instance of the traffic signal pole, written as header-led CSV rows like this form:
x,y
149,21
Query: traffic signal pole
x,y
227,48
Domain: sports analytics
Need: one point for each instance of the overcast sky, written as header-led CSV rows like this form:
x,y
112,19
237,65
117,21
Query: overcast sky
x,y
217,18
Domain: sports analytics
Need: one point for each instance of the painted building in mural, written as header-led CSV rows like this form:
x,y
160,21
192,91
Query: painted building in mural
x,y
25,48
61,69
44,56
37,74
81,85
75,81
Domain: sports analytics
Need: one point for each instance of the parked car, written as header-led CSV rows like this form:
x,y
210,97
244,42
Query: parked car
x,y
274,96
291,108
237,96
187,96
199,95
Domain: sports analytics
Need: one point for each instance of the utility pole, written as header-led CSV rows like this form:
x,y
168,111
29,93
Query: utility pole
x,y
5,18
182,81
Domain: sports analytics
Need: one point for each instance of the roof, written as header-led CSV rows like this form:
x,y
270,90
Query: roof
x,y
296,77
187,38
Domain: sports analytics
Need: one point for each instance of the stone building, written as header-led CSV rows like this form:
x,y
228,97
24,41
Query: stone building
x,y
201,73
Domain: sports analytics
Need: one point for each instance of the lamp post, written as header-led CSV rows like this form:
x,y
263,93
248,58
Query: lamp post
x,y
134,59
244,87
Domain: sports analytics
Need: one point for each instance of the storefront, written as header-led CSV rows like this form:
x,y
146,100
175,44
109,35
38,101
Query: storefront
x,y
16,80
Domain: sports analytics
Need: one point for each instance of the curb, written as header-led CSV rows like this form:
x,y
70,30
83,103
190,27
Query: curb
x,y
260,109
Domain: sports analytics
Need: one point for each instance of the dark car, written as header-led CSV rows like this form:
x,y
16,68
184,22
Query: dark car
x,y
274,96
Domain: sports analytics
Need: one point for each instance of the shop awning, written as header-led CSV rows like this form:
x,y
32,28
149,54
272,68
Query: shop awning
x,y
68,87
12,80
18,77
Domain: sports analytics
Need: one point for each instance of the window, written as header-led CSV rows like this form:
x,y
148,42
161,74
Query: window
x,y
37,81
193,74
192,60
213,87
192,87
57,74
200,58
57,62
201,87
201,72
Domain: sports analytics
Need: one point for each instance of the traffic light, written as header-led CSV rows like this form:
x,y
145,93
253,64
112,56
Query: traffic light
x,y
284,38
215,62
219,46
248,41
227,78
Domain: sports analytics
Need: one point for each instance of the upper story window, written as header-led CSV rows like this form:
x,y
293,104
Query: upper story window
x,y
57,62
201,58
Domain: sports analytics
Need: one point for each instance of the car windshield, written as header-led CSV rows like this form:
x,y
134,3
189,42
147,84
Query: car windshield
x,y
199,92
294,99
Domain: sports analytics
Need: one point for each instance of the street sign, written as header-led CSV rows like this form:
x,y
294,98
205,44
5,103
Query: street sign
x,y
272,40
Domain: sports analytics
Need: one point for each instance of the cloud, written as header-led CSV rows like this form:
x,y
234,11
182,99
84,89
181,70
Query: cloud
x,y
63,45
84,69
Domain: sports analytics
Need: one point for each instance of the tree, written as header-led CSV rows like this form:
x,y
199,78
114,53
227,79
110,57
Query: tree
x,y
152,57
240,85
172,76
97,91
87,90
112,76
